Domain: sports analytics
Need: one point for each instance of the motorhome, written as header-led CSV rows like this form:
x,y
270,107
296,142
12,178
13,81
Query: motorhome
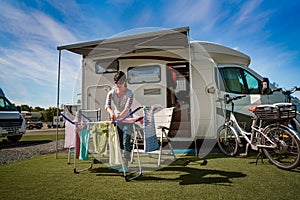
x,y
12,123
58,121
164,68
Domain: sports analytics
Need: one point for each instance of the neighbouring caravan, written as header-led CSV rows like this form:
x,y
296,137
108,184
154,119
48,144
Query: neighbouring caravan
x,y
12,123
165,68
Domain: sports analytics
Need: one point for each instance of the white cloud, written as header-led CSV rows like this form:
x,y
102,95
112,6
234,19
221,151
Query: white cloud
x,y
29,64
188,12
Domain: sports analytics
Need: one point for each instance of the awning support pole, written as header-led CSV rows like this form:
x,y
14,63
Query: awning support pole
x,y
57,105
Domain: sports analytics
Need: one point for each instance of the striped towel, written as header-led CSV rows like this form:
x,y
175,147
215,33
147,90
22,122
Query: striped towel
x,y
151,143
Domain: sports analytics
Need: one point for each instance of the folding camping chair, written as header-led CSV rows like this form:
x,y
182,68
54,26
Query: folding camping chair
x,y
157,122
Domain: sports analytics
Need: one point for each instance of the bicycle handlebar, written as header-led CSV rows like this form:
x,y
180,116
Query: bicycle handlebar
x,y
287,92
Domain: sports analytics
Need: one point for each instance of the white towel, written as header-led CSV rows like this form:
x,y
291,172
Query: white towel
x,y
70,131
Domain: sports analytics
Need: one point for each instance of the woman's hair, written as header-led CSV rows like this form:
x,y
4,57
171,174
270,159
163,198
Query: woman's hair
x,y
120,77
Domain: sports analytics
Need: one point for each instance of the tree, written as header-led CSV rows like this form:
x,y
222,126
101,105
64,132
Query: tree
x,y
37,109
49,113
25,108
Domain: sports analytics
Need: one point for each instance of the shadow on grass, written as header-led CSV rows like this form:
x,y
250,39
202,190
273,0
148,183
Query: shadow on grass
x,y
6,144
180,172
198,176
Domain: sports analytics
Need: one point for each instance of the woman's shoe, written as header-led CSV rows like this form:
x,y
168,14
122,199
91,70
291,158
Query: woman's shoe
x,y
124,169
117,167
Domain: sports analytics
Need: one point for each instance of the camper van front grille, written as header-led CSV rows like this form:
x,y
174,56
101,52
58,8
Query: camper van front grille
x,y
6,123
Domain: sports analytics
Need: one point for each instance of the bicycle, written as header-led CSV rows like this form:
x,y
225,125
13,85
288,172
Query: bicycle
x,y
294,122
278,142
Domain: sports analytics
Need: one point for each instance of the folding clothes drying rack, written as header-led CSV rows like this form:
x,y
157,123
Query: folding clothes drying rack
x,y
91,117
81,115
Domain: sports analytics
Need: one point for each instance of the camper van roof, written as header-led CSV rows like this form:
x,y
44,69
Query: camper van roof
x,y
223,55
1,93
167,39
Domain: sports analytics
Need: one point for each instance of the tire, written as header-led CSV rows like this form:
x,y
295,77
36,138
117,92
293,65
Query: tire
x,y
14,138
227,140
287,154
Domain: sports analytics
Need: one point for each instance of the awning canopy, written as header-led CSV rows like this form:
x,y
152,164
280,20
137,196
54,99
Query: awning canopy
x,y
164,39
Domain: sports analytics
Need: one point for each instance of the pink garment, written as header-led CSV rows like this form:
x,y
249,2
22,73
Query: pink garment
x,y
70,132
133,120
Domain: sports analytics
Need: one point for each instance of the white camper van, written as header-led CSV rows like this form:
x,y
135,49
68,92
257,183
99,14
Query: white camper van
x,y
165,68
12,123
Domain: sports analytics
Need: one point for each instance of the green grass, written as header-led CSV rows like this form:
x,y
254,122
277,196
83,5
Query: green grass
x,y
49,137
45,177
42,137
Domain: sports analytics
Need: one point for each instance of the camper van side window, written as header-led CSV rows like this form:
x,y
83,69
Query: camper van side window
x,y
233,80
239,81
144,74
102,67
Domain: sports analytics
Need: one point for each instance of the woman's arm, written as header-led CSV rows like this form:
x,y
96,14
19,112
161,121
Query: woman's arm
x,y
108,108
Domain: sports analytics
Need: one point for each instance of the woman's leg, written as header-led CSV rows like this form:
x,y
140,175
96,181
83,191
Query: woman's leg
x,y
125,131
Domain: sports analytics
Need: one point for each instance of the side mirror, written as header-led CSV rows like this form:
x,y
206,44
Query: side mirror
x,y
265,86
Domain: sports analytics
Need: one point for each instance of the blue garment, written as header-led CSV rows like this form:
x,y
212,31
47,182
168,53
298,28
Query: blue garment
x,y
84,142
151,143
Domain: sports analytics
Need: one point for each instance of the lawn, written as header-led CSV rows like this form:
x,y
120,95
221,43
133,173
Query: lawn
x,y
45,177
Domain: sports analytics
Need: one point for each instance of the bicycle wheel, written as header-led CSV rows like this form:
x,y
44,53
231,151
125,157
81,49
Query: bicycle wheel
x,y
227,140
287,153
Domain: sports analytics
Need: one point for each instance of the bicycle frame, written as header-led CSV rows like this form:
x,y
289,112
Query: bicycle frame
x,y
254,134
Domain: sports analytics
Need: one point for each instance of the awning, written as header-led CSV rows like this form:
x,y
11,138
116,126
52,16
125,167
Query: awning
x,y
164,39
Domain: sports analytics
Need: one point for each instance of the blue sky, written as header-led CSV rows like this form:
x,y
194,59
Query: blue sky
x,y
30,31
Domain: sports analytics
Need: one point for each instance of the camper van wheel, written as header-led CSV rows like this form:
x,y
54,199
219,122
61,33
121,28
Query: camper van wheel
x,y
14,138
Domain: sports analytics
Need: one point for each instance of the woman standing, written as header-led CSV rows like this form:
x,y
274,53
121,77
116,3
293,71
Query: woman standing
x,y
118,105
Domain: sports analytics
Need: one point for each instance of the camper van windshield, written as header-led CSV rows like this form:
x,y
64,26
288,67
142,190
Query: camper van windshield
x,y
5,105
144,74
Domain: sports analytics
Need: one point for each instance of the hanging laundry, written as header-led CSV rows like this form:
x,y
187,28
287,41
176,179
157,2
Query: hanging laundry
x,y
70,131
84,141
151,143
115,156
100,137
